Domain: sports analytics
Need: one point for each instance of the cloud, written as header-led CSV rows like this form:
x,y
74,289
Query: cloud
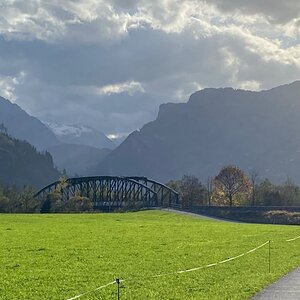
x,y
130,87
113,19
7,87
109,64
275,10
8,84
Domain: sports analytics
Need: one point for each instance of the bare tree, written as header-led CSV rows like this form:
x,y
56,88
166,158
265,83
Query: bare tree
x,y
231,181
254,177
209,188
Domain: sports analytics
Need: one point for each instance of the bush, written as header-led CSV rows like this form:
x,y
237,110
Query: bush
x,y
283,217
78,204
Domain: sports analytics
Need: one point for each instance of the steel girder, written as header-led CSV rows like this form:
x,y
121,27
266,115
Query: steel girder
x,y
105,192
166,196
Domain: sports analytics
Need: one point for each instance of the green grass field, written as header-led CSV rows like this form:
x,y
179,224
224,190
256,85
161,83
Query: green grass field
x,y
60,256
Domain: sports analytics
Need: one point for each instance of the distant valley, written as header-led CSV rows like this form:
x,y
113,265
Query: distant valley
x,y
80,149
74,148
216,127
77,160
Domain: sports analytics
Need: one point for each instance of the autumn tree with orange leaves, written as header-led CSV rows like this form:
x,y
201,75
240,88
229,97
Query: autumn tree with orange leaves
x,y
231,182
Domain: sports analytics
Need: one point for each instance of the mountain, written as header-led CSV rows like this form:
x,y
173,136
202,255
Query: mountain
x,y
216,127
81,135
25,127
22,165
77,159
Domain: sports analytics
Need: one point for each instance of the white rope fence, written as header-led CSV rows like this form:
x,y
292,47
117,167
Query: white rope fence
x,y
206,266
174,273
96,289
118,281
294,239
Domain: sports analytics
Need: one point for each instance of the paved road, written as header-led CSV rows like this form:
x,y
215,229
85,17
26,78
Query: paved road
x,y
286,288
200,216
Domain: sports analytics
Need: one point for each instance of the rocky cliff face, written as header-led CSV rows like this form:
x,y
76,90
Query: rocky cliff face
x,y
216,127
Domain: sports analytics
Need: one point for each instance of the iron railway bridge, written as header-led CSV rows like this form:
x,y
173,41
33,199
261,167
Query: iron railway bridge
x,y
108,193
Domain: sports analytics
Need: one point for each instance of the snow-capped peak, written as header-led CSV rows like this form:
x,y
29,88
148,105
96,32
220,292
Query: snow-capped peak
x,y
80,134
76,129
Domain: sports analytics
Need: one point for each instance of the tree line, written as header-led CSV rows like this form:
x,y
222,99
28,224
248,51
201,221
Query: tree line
x,y
233,187
21,200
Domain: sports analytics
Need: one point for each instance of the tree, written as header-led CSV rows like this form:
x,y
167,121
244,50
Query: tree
x,y
269,194
26,201
78,204
10,197
3,129
253,174
209,188
62,183
193,192
53,203
190,189
290,193
265,193
231,182
4,204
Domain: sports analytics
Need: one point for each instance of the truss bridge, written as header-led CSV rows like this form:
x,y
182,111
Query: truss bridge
x,y
108,193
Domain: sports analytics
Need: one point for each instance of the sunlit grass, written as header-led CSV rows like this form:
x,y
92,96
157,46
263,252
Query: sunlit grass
x,y
60,256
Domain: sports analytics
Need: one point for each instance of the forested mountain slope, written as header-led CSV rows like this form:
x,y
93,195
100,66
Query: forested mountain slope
x,y
21,164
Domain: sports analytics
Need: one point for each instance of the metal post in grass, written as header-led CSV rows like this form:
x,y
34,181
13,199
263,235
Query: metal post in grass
x,y
269,256
118,285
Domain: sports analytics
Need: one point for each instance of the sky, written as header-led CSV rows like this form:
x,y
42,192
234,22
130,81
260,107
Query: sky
x,y
109,64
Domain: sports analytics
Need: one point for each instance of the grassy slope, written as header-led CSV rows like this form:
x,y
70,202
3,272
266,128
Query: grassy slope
x,y
59,256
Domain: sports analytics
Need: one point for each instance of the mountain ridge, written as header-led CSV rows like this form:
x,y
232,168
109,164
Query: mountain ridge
x,y
214,128
23,126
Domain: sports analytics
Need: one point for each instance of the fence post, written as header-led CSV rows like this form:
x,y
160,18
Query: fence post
x,y
118,286
269,256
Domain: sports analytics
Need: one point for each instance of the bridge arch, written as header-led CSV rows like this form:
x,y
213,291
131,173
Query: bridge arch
x,y
166,196
111,192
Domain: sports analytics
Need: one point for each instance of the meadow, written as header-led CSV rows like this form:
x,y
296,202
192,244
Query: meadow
x,y
58,256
